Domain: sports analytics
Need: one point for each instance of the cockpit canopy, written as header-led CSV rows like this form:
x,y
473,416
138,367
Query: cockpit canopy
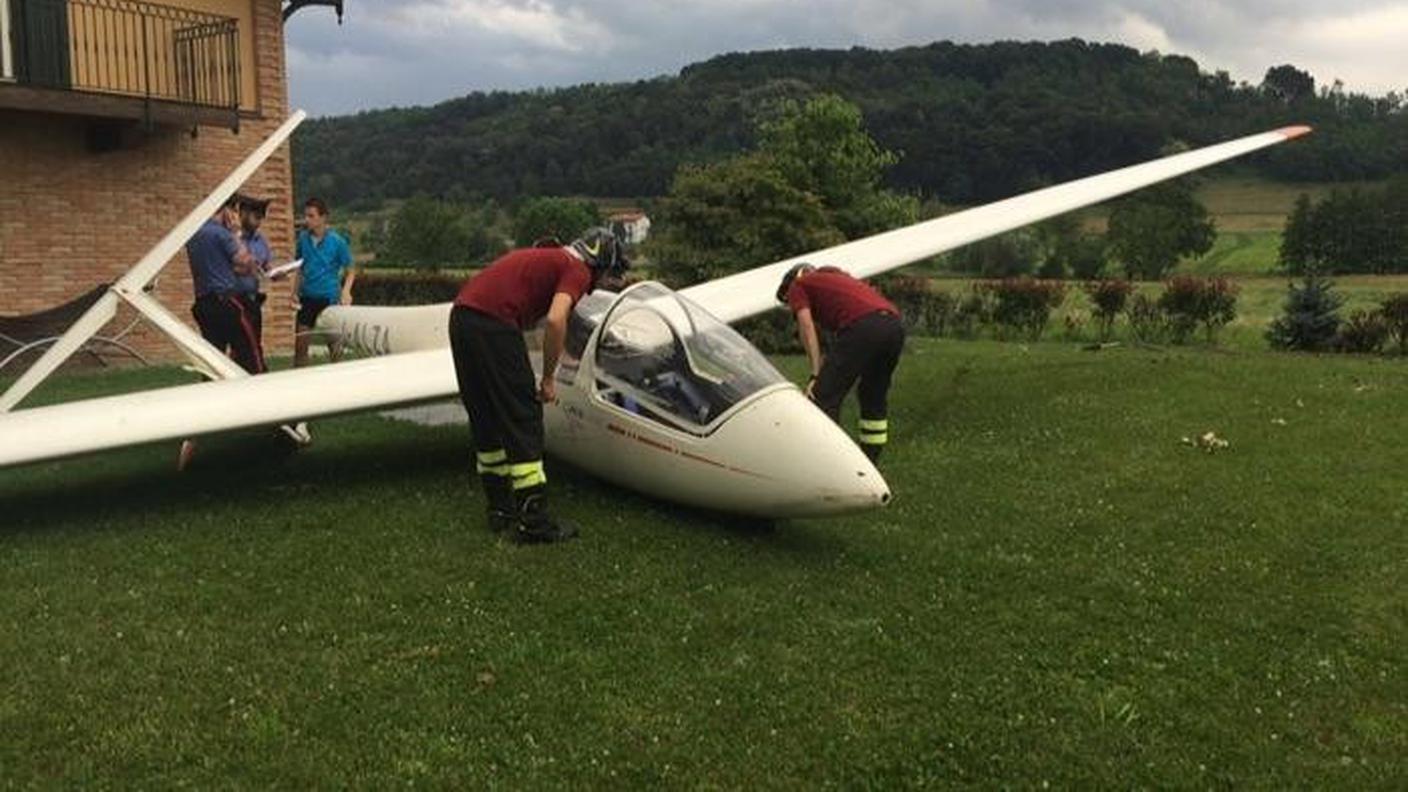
x,y
662,357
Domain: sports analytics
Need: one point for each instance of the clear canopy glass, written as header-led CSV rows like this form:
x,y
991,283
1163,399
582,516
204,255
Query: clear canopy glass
x,y
661,356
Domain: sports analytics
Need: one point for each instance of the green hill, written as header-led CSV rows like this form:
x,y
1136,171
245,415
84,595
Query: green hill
x,y
972,123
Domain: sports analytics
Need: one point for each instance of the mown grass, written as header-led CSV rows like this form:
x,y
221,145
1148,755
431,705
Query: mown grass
x,y
1237,253
1249,203
1061,592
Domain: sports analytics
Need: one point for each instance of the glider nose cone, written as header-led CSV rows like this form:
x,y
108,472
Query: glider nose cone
x,y
815,468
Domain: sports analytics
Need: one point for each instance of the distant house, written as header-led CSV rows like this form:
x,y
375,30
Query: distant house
x,y
632,226
116,118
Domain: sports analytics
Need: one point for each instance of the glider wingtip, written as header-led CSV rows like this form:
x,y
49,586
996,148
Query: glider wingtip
x,y
1292,132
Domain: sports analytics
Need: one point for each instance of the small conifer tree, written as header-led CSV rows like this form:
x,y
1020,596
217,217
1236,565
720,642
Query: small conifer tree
x,y
1310,318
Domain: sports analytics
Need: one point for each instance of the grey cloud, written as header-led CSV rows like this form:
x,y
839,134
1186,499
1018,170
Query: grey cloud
x,y
386,55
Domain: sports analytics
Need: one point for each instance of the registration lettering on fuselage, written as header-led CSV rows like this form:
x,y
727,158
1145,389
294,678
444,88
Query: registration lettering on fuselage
x,y
371,338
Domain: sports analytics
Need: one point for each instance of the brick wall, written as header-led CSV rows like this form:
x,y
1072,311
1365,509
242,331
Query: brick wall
x,y
70,219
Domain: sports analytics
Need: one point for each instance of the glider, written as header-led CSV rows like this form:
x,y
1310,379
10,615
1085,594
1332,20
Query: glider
x,y
656,392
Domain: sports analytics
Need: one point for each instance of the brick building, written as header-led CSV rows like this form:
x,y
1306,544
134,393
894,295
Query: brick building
x,y
116,118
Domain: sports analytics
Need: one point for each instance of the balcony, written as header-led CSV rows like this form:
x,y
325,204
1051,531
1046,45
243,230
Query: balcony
x,y
121,59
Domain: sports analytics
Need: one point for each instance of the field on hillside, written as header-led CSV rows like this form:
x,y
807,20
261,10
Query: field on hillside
x,y
1250,214
1241,203
1063,592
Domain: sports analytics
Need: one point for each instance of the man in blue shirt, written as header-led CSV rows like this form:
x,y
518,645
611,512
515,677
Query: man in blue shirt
x,y
220,262
325,278
225,276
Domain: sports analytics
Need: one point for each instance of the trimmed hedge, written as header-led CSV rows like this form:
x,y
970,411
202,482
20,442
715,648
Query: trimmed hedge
x,y
405,288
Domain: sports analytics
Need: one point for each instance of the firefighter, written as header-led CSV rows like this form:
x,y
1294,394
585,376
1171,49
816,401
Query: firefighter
x,y
868,337
490,315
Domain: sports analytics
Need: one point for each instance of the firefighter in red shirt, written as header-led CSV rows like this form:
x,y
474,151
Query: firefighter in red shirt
x,y
496,384
868,340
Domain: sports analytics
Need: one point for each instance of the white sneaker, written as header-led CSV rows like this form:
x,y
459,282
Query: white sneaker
x,y
184,456
298,433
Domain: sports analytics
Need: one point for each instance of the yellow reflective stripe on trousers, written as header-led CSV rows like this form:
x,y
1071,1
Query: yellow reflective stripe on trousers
x,y
494,462
874,431
527,474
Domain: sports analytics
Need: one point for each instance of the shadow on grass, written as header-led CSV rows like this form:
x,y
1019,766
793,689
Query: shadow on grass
x,y
241,466
658,519
257,467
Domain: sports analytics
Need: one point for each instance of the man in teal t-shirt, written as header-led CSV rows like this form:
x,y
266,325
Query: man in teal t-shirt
x,y
325,278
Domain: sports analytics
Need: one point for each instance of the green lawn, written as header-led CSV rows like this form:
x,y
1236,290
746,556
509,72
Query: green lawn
x,y
1062,592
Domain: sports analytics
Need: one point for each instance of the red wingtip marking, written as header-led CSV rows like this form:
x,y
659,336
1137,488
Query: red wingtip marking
x,y
1293,131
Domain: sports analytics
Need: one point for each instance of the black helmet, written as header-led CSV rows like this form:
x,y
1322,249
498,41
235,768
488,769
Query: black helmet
x,y
601,250
797,269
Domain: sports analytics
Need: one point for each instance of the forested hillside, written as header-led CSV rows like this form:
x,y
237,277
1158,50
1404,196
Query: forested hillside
x,y
971,123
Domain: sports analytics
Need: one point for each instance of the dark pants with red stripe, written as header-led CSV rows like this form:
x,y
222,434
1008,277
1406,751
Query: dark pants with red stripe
x,y
868,350
233,322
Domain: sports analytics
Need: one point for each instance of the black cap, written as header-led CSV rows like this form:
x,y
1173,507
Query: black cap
x,y
243,201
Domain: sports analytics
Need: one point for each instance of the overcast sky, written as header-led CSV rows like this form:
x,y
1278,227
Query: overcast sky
x,y
415,52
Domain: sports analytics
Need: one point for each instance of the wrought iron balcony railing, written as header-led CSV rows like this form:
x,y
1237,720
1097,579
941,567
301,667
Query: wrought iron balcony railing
x,y
129,48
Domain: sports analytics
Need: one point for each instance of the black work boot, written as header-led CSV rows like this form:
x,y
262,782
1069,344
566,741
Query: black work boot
x,y
498,492
535,525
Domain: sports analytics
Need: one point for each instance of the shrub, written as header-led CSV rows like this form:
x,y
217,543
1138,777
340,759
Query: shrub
x,y
562,218
773,333
407,288
1147,320
1003,256
1074,325
909,294
923,310
940,310
972,312
1109,298
431,234
1363,332
1188,301
1394,311
1310,318
1024,304
1086,256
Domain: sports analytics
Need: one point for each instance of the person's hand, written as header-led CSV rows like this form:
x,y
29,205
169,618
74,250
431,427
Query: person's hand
x,y
346,298
547,390
811,387
293,302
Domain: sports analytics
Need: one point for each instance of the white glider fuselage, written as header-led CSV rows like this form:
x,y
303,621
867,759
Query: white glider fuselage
x,y
655,395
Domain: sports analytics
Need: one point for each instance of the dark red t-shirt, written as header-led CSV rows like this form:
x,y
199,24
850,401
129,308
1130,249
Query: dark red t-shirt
x,y
837,300
519,286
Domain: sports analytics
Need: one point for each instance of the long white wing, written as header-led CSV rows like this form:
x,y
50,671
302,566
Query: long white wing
x,y
269,399
752,292
99,424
